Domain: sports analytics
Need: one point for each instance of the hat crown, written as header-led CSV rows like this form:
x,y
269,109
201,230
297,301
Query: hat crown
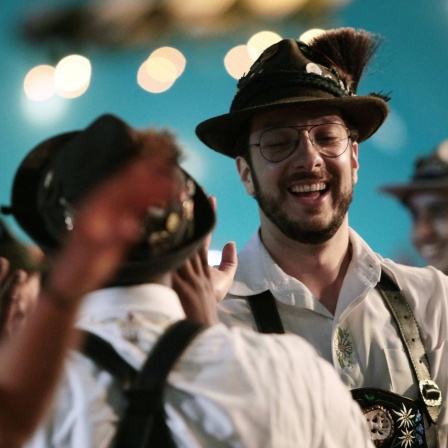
x,y
434,166
331,65
59,172
324,73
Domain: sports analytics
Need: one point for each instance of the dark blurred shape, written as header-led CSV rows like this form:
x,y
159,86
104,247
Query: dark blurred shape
x,y
127,23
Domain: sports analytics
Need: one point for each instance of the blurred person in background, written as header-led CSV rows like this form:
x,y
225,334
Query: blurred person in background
x,y
425,196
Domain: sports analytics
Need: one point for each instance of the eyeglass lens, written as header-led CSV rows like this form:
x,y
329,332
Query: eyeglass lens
x,y
329,139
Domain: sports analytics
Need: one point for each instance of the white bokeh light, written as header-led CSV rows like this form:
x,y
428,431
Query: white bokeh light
x,y
173,55
237,61
72,76
161,69
309,35
39,83
148,83
260,41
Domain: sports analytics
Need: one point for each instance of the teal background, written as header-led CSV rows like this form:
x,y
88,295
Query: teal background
x,y
412,65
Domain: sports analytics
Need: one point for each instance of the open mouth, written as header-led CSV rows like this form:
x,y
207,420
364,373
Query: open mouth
x,y
309,189
430,251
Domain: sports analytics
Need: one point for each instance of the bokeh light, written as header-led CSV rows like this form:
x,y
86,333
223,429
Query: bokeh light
x,y
39,83
72,76
309,35
173,55
159,72
148,83
237,61
260,41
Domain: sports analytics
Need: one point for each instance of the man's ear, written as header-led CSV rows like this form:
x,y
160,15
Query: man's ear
x,y
245,175
355,162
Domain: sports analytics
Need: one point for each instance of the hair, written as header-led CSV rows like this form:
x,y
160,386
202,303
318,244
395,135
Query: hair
x,y
157,141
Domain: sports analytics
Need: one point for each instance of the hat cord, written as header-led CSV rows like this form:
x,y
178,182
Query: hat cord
x,y
265,81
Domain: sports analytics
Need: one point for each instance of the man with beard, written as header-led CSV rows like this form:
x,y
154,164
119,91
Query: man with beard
x,y
426,198
294,128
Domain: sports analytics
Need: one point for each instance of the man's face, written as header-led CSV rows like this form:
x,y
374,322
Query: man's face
x,y
430,227
307,195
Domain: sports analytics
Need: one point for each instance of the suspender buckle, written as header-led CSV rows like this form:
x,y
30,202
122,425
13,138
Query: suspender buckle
x,y
430,392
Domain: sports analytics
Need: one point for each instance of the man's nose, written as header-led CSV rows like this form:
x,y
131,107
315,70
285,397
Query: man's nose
x,y
423,229
305,155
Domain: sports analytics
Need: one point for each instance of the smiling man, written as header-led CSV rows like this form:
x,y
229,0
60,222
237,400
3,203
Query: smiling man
x,y
294,129
426,197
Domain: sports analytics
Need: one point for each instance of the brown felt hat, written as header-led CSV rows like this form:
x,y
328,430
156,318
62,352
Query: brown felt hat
x,y
60,171
430,174
323,73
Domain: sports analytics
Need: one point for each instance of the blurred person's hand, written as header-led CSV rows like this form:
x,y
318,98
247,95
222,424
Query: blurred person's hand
x,y
201,287
19,291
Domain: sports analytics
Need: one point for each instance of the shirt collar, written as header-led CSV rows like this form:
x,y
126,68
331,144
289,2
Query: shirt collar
x,y
258,272
147,298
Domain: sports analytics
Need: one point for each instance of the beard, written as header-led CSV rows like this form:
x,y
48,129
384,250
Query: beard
x,y
304,232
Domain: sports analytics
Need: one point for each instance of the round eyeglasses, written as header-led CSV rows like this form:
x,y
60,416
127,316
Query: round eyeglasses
x,y
328,139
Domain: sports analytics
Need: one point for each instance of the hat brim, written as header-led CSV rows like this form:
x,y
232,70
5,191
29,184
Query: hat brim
x,y
25,190
366,114
402,191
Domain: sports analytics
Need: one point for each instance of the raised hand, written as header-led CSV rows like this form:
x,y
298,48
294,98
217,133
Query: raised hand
x,y
201,286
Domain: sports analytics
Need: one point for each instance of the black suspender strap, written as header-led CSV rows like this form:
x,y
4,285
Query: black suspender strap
x,y
399,307
143,424
265,312
144,421
268,320
102,353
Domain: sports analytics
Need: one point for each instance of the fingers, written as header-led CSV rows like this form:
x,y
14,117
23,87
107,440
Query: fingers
x,y
4,268
212,200
229,260
208,239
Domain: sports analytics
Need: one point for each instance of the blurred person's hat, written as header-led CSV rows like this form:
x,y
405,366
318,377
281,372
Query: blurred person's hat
x,y
324,72
430,174
61,170
19,255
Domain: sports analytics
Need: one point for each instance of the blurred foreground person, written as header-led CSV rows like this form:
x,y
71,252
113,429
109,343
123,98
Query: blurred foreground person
x,y
230,387
426,198
107,223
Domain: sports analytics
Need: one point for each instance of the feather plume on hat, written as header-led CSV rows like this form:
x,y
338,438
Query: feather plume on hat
x,y
349,50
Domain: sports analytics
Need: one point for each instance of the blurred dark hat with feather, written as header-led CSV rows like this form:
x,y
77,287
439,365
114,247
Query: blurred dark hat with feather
x,y
62,170
430,174
324,72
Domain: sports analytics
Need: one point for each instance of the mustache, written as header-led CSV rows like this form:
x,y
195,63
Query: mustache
x,y
317,175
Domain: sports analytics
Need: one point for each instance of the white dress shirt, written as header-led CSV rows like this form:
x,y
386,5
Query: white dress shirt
x,y
360,340
230,388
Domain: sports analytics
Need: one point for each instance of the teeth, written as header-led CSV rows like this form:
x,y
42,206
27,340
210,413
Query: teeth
x,y
429,250
305,188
